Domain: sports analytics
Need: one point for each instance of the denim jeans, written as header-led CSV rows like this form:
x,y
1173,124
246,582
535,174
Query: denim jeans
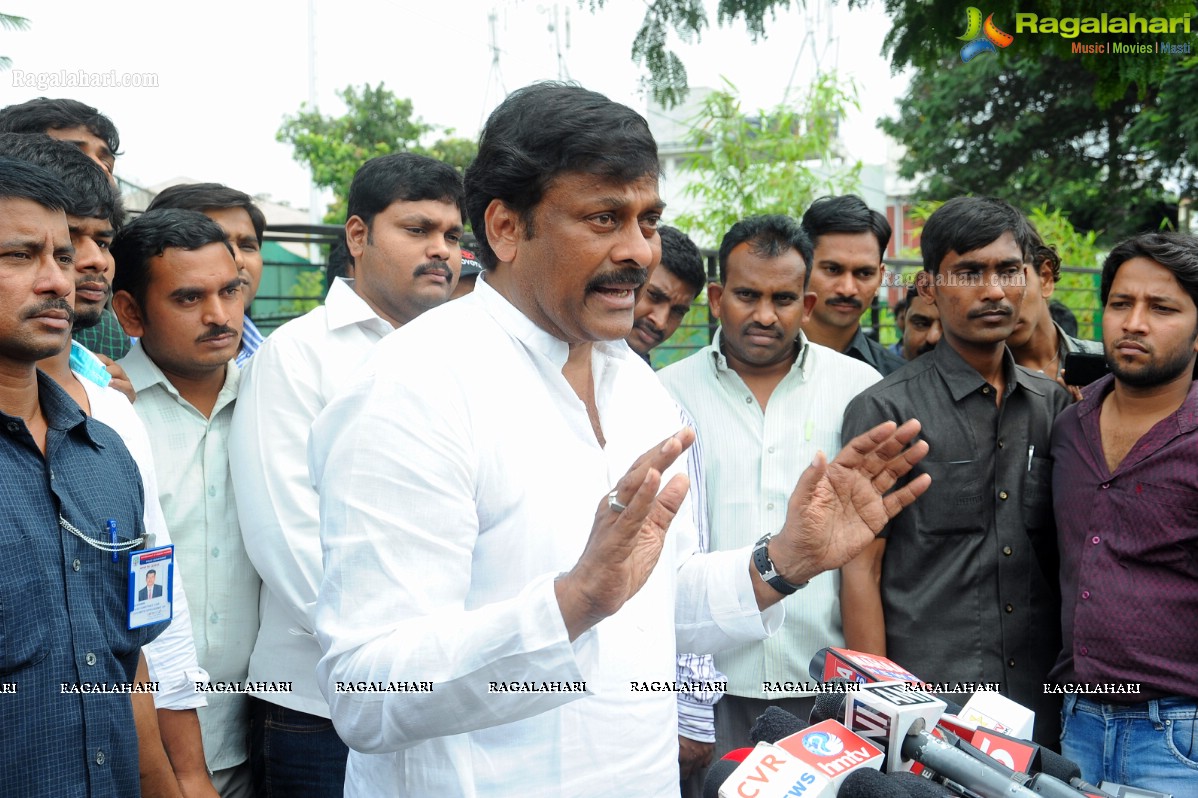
x,y
1152,745
293,753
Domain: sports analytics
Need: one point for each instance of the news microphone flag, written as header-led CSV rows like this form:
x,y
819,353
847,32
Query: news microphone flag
x,y
771,772
832,750
886,712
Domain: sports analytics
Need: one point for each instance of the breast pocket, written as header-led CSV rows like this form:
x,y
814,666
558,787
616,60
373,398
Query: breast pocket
x,y
24,630
957,503
1037,494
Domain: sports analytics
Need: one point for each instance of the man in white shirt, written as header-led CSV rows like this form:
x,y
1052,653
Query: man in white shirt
x,y
404,229
177,289
501,599
765,400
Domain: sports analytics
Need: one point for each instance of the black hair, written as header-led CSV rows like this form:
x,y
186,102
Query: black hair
x,y
767,236
151,234
682,258
845,214
964,224
23,180
1043,252
90,192
542,131
151,571
912,293
1063,316
339,261
210,196
43,114
401,177
1175,251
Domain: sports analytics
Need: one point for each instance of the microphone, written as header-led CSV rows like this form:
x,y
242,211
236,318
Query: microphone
x,y
719,771
832,664
873,784
774,724
887,712
996,711
828,747
771,772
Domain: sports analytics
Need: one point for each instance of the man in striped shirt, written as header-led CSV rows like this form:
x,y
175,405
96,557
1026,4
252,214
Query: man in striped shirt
x,y
764,400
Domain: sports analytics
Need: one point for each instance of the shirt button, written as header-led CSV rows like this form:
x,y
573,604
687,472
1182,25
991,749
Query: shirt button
x,y
749,400
1000,444
76,565
986,390
1085,594
211,490
1010,663
1085,651
769,506
90,658
1096,540
51,476
770,450
215,551
1002,494
214,618
1106,485
14,426
1007,550
100,757
1010,609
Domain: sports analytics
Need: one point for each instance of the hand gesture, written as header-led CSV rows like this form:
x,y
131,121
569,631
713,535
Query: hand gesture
x,y
626,539
838,508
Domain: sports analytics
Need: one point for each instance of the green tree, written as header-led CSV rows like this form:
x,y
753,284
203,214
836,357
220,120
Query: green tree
x,y
776,160
1028,130
10,22
376,122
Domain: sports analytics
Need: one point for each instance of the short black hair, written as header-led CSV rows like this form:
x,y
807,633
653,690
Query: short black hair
x,y
1175,251
1041,252
151,234
1063,316
767,236
682,258
545,130
964,224
42,114
845,214
24,180
339,259
401,177
210,196
91,194
151,571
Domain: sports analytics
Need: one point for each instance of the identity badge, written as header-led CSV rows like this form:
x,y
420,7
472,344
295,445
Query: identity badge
x,y
151,586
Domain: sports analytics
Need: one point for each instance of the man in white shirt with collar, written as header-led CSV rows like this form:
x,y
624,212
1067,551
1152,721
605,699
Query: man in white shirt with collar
x,y
501,598
765,400
178,291
404,232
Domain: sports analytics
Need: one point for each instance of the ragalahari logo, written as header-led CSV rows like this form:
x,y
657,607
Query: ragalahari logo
x,y
981,38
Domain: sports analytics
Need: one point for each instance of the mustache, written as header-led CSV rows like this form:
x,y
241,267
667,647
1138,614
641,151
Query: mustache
x,y
216,332
1002,308
433,267
630,275
650,327
754,327
847,301
52,304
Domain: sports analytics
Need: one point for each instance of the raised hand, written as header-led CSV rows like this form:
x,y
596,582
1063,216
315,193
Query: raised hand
x,y
626,538
838,508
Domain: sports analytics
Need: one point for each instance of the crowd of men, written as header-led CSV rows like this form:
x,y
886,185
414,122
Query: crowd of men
x,y
479,547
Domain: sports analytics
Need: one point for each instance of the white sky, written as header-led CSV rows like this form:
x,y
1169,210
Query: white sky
x,y
229,71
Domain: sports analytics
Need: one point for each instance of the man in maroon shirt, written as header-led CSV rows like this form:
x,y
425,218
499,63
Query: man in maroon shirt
x,y
1125,494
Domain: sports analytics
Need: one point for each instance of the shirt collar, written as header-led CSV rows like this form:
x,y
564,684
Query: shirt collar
x,y
343,306
1094,393
860,344
963,379
801,363
60,410
144,374
525,330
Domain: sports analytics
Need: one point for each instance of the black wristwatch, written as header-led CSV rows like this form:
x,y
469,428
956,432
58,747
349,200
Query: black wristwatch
x,y
765,567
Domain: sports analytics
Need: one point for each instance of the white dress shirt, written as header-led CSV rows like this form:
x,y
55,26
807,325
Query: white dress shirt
x,y
196,491
290,379
752,460
459,475
171,657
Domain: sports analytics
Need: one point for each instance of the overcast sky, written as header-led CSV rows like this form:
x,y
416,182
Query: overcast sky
x,y
228,71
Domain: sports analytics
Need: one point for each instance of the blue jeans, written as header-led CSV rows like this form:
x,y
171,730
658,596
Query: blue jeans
x,y
293,753
1152,745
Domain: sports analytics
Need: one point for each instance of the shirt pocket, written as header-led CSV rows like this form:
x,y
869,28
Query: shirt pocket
x,y
957,501
1167,532
1037,494
24,629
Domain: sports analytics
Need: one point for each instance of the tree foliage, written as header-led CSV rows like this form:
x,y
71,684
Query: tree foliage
x,y
376,122
1027,130
773,161
10,22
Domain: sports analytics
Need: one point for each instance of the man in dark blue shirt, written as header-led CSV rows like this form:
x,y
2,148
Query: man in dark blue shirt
x,y
67,656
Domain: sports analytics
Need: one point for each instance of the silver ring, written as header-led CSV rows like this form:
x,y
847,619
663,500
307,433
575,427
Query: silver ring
x,y
614,503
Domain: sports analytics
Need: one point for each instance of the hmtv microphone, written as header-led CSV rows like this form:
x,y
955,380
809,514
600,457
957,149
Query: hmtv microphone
x,y
771,772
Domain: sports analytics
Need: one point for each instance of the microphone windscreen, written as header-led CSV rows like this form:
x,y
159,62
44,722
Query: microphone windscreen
x,y
828,706
774,724
869,783
919,787
1058,766
717,774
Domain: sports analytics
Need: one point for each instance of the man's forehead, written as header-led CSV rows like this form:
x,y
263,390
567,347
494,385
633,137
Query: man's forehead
x,y
18,214
90,225
603,184
182,261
